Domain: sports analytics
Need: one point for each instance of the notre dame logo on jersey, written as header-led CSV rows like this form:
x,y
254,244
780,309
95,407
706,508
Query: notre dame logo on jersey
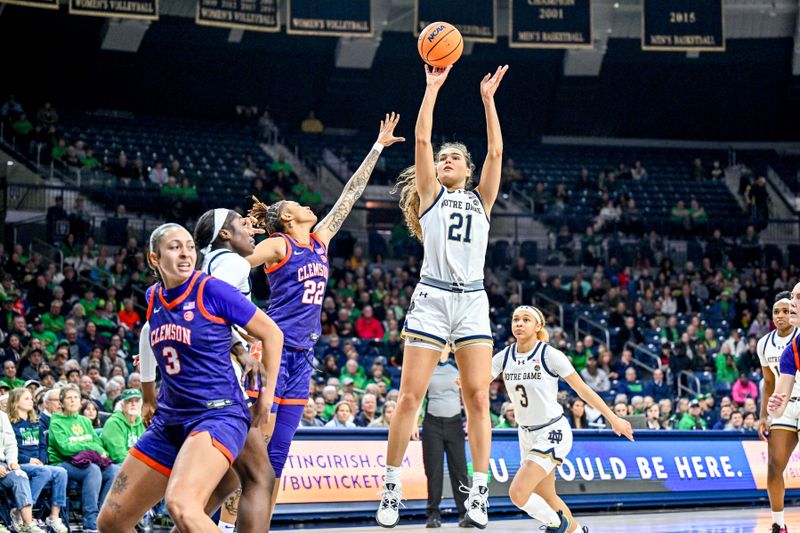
x,y
555,436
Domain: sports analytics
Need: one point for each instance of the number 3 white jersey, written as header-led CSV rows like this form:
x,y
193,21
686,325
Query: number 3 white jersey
x,y
455,233
532,381
770,348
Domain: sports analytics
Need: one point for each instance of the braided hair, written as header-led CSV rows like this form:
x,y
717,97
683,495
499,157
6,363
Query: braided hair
x,y
268,216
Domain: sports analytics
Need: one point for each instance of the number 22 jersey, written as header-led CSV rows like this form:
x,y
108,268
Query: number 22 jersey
x,y
297,286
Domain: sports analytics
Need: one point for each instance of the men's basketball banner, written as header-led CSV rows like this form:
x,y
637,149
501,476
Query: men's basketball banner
x,y
256,15
126,9
476,20
46,4
670,467
683,25
550,24
347,18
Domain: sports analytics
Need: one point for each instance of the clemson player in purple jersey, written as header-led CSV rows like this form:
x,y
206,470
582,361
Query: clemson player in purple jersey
x,y
295,259
199,423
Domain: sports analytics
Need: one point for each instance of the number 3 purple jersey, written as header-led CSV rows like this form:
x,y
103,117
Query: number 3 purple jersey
x,y
190,332
298,287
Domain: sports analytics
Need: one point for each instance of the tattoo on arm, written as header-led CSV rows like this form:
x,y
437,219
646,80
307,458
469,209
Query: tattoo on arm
x,y
352,192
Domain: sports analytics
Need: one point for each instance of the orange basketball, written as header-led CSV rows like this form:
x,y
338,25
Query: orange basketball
x,y
440,44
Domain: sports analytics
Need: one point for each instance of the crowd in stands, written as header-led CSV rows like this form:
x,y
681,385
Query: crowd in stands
x,y
69,337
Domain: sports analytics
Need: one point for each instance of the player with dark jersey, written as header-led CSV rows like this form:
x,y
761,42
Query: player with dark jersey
x,y
295,258
199,423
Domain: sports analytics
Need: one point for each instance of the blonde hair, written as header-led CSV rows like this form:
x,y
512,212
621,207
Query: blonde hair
x,y
541,335
13,402
409,196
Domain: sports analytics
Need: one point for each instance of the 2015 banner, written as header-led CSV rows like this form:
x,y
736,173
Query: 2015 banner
x,y
683,25
550,24
256,15
46,4
126,9
345,18
476,20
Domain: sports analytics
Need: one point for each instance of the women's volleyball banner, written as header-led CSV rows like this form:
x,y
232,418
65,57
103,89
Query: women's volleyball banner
x,y
126,9
46,4
256,15
476,20
346,18
346,467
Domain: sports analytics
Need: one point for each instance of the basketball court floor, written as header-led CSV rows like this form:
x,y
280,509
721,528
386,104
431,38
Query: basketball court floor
x,y
729,520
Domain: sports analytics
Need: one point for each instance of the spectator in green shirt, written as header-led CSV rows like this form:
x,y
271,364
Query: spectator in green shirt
x,y
509,419
124,427
89,161
692,419
354,371
10,379
171,189
727,372
679,216
59,151
698,217
89,303
22,126
188,191
52,320
48,339
70,434
279,165
311,197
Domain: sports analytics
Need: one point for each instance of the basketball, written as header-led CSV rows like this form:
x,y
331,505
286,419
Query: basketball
x,y
440,44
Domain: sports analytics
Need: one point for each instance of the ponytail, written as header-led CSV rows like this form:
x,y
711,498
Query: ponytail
x,y
409,200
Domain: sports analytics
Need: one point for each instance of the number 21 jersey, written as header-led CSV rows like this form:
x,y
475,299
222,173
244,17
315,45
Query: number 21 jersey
x,y
455,233
297,286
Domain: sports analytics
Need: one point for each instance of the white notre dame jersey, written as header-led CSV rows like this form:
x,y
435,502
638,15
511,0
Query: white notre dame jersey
x,y
532,381
455,233
230,267
770,348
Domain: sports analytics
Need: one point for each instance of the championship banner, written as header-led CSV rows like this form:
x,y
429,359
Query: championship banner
x,y
476,20
45,4
342,18
255,15
550,24
683,25
125,9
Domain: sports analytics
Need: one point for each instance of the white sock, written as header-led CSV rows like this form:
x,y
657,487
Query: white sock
x,y
392,475
777,518
479,479
225,527
537,508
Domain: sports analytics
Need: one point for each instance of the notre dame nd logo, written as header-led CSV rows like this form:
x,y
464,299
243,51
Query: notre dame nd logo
x,y
77,430
555,436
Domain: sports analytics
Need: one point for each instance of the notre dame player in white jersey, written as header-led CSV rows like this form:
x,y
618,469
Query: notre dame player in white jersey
x,y
780,433
450,304
531,369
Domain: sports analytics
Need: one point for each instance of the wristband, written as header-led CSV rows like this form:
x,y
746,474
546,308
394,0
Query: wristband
x,y
378,147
